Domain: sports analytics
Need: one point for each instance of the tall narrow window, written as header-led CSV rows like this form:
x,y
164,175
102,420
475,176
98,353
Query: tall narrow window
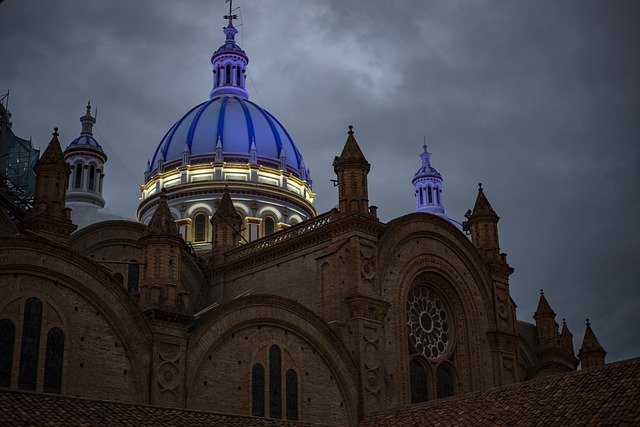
x,y
421,196
438,191
419,382
292,395
227,75
133,276
100,178
200,228
430,195
238,81
275,386
218,76
7,338
53,361
444,382
30,344
269,226
257,390
78,183
92,177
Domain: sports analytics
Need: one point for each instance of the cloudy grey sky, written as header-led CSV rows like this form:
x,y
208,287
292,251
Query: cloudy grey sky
x,y
538,100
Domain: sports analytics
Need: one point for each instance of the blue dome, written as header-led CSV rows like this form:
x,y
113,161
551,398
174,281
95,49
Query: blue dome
x,y
85,140
235,122
427,170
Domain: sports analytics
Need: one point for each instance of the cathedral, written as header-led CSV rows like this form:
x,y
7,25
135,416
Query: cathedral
x,y
231,294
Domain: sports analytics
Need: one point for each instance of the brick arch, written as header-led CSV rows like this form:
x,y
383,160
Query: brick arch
x,y
50,262
218,326
421,245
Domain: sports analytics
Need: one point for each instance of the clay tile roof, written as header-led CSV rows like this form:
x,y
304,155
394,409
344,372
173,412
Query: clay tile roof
x,y
608,394
37,409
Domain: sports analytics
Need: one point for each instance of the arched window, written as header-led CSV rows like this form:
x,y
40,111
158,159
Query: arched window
x,y
7,338
133,276
269,226
30,344
429,195
200,228
421,196
438,191
275,386
92,177
53,361
238,81
257,390
78,183
227,74
291,382
444,382
218,76
419,382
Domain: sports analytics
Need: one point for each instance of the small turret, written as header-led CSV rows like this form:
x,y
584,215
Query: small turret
x,y
49,216
566,337
226,224
554,349
546,326
87,159
483,223
229,64
591,352
352,169
427,184
161,247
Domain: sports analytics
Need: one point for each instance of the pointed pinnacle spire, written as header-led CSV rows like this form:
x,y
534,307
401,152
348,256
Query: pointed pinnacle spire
x,y
590,342
566,337
482,205
351,148
162,222
226,208
53,152
543,306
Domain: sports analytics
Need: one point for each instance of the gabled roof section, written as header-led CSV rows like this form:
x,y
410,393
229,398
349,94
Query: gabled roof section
x,y
162,222
609,395
30,408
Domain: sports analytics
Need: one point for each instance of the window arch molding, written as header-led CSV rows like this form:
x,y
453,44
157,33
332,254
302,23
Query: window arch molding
x,y
200,227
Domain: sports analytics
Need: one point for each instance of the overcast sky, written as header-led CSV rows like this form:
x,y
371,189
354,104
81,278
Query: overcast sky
x,y
538,100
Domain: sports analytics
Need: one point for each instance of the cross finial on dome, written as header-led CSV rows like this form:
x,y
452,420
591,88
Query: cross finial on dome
x,y
55,132
350,132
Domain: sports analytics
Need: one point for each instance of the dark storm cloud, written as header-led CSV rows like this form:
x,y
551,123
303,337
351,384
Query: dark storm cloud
x,y
538,100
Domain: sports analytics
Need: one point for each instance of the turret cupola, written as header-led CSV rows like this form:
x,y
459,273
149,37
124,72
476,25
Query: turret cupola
x,y
229,63
427,183
86,158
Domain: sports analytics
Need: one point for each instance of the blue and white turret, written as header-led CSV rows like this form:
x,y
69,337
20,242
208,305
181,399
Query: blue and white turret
x,y
427,183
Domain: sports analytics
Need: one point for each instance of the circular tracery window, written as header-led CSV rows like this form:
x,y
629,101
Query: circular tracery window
x,y
428,322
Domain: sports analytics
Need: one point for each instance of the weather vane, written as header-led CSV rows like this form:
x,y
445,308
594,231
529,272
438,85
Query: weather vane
x,y
230,16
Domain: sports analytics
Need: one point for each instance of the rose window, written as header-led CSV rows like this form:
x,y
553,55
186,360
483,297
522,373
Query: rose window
x,y
428,322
